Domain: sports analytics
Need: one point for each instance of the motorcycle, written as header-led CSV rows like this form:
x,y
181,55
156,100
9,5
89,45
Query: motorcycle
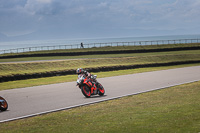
x,y
90,86
3,104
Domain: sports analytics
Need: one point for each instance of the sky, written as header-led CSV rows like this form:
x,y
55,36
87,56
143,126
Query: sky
x,y
44,19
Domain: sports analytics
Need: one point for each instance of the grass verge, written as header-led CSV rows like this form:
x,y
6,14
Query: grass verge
x,y
99,56
174,109
108,48
69,78
26,70
50,66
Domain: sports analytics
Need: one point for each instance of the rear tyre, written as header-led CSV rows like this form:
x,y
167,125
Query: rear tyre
x,y
101,90
3,104
86,91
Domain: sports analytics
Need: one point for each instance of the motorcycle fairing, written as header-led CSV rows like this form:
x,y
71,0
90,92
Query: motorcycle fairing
x,y
88,82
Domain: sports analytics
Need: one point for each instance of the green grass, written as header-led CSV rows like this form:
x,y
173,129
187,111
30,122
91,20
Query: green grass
x,y
100,56
69,78
108,48
170,110
88,61
40,67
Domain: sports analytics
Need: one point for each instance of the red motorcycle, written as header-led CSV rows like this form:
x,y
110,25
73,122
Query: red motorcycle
x,y
90,86
3,104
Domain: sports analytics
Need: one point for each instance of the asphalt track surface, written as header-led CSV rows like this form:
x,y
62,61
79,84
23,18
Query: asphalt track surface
x,y
32,101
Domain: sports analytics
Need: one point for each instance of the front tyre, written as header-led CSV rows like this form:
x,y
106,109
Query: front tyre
x,y
86,91
3,104
101,90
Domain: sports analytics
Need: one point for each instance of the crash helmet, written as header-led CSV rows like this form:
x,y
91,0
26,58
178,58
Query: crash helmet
x,y
79,70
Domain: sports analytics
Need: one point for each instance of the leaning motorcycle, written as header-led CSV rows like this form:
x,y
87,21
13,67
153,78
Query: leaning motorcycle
x,y
90,86
3,104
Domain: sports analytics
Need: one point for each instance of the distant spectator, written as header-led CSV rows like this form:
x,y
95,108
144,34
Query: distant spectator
x,y
82,45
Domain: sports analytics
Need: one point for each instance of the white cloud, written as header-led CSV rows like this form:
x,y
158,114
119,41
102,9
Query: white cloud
x,y
44,1
29,15
40,7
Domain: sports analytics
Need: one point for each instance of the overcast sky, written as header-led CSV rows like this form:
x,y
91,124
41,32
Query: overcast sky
x,y
99,18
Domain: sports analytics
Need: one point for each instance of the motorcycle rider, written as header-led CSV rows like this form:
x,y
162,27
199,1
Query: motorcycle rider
x,y
84,72
87,75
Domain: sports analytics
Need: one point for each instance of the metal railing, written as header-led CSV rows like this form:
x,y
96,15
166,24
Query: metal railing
x,y
92,45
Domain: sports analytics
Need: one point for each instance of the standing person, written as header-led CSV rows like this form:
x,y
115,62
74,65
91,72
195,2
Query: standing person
x,y
82,45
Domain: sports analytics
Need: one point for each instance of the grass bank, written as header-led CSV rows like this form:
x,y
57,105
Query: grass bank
x,y
69,78
99,56
108,48
174,109
60,65
42,67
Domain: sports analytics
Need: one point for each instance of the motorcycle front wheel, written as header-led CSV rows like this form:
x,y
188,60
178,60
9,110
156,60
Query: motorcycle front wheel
x,y
86,91
101,90
3,104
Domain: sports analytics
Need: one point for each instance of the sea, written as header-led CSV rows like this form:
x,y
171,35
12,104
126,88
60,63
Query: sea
x,y
37,43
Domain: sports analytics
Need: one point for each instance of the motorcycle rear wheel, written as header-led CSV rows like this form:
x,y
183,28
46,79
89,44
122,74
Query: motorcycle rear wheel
x,y
86,91
3,105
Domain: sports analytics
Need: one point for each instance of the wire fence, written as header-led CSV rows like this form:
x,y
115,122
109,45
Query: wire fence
x,y
97,45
